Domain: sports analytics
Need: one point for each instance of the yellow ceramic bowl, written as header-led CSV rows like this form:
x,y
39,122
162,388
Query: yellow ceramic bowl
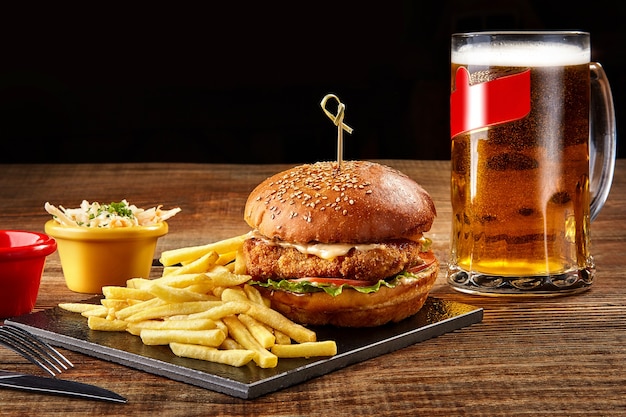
x,y
92,258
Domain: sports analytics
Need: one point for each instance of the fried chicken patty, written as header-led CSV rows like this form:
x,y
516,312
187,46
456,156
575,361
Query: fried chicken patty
x,y
265,261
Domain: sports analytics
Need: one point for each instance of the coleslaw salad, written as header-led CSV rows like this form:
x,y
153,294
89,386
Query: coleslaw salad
x,y
113,215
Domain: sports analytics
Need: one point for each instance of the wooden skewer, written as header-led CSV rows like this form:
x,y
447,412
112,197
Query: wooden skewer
x,y
338,121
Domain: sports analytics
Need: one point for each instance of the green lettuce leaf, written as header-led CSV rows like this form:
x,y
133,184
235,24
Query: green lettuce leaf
x,y
334,290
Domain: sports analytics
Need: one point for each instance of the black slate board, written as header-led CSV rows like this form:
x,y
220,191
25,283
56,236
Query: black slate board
x,y
69,330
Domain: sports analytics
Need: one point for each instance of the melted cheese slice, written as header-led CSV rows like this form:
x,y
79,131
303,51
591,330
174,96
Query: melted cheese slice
x,y
329,250
323,250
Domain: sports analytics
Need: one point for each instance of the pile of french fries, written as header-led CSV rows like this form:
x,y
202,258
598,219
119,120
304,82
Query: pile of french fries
x,y
203,308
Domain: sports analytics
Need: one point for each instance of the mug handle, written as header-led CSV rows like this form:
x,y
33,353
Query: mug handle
x,y
603,139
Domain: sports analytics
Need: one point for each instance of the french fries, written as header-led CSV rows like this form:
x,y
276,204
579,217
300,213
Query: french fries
x,y
104,324
233,357
197,266
306,349
78,307
213,337
121,293
262,334
192,253
203,308
240,333
197,324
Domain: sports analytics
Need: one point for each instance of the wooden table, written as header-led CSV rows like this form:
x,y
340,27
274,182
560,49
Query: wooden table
x,y
560,356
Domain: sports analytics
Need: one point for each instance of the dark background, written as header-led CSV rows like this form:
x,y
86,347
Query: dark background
x,y
242,82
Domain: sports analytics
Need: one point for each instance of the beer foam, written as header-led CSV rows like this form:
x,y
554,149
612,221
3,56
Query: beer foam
x,y
518,54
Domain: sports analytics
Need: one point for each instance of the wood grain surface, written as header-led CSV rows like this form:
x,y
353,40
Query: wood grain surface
x,y
559,356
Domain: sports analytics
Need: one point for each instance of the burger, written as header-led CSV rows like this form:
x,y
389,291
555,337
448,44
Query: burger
x,y
341,244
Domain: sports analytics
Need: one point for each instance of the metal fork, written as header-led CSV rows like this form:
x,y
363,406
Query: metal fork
x,y
34,349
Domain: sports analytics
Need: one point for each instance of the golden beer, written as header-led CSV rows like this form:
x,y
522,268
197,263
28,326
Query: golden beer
x,y
520,188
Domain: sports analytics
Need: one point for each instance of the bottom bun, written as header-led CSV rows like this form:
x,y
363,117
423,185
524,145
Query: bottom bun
x,y
354,309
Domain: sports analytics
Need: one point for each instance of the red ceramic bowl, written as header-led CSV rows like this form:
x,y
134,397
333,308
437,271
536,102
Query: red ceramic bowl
x,y
22,259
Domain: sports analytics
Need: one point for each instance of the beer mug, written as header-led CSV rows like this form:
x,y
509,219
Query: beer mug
x,y
533,151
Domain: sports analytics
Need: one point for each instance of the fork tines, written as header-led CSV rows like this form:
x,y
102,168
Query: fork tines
x,y
34,349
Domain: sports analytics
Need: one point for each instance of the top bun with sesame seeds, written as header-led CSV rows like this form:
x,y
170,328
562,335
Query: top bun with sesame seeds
x,y
360,203
341,245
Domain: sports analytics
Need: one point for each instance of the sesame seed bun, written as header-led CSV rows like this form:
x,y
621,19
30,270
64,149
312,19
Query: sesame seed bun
x,y
361,202
374,266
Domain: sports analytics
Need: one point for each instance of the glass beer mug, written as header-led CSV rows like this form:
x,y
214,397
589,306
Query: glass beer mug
x,y
533,151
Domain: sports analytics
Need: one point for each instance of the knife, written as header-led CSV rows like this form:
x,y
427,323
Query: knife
x,y
49,385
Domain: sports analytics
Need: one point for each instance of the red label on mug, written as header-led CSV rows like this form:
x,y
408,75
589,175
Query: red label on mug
x,y
490,103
